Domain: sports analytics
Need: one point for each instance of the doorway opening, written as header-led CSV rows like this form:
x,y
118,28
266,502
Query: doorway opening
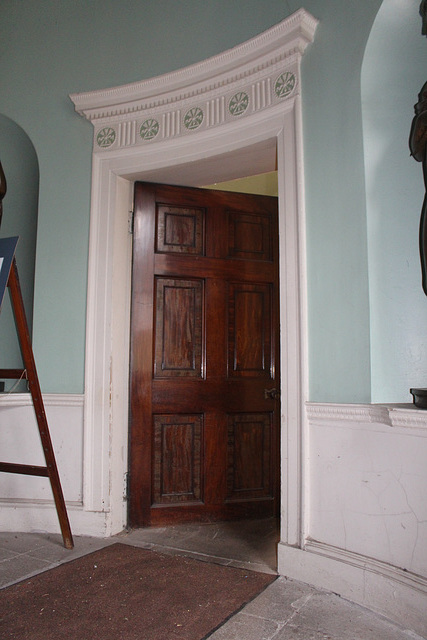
x,y
205,422
271,148
211,457
247,120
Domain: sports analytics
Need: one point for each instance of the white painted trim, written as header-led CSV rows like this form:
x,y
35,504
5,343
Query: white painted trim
x,y
253,77
398,416
49,400
288,38
292,323
100,422
399,595
368,564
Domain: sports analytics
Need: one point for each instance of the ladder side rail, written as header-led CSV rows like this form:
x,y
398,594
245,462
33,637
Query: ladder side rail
x,y
34,386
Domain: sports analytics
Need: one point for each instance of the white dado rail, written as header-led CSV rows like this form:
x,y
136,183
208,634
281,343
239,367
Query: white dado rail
x,y
393,415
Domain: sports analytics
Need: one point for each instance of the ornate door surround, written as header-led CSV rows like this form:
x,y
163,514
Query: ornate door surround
x,y
233,115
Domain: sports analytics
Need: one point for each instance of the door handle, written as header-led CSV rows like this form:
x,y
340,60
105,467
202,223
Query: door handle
x,y
272,394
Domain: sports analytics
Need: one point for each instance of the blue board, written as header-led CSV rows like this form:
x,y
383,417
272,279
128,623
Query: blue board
x,y
7,253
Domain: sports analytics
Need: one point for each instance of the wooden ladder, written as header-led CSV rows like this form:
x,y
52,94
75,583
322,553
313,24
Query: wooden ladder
x,y
30,374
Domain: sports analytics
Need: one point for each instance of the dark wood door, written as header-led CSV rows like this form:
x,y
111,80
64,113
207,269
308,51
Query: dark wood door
x,y
204,435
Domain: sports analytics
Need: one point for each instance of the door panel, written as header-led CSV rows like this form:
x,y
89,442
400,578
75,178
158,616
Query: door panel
x,y
250,326
180,230
178,328
249,236
204,347
249,461
177,459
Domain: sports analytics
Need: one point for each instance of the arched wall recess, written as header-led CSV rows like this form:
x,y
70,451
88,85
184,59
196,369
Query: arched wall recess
x,y
20,214
233,115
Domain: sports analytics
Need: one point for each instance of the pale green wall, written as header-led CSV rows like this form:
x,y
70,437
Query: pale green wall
x,y
394,70
339,347
50,49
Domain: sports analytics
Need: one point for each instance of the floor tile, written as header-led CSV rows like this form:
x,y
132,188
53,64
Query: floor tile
x,y
54,551
280,600
329,616
5,554
19,568
21,543
244,627
246,543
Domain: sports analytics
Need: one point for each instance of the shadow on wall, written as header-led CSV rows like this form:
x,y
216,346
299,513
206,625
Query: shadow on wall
x,y
20,212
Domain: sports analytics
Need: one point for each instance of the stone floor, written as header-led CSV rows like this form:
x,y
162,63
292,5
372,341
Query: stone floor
x,y
286,609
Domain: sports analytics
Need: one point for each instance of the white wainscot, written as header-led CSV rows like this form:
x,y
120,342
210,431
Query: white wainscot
x,y
368,485
26,502
365,508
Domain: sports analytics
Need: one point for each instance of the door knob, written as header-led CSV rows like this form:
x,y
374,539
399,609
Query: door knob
x,y
272,394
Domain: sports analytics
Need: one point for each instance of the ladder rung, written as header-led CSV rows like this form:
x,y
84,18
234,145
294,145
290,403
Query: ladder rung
x,y
25,469
13,374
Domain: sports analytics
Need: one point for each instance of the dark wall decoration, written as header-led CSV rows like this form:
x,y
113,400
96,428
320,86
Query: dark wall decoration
x,y
418,147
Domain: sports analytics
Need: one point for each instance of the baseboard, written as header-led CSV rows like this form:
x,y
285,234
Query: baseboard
x,y
387,590
30,517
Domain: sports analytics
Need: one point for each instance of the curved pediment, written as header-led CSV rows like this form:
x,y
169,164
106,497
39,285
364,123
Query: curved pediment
x,y
256,75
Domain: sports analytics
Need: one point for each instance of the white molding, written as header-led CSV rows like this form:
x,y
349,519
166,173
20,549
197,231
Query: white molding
x,y
408,417
332,412
49,400
287,39
399,416
252,77
377,567
399,595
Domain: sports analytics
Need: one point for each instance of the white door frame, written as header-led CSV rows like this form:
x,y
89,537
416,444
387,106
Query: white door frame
x,y
247,108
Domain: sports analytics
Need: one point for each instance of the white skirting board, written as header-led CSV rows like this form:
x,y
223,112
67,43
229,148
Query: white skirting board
x,y
41,517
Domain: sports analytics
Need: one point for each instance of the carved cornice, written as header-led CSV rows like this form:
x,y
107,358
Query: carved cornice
x,y
256,75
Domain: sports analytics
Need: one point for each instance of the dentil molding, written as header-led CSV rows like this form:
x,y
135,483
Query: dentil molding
x,y
252,77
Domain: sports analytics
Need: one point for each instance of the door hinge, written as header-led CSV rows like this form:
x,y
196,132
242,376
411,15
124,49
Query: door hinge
x,y
131,217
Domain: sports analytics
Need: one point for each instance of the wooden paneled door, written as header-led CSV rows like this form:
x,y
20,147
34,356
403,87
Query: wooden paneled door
x,y
205,410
